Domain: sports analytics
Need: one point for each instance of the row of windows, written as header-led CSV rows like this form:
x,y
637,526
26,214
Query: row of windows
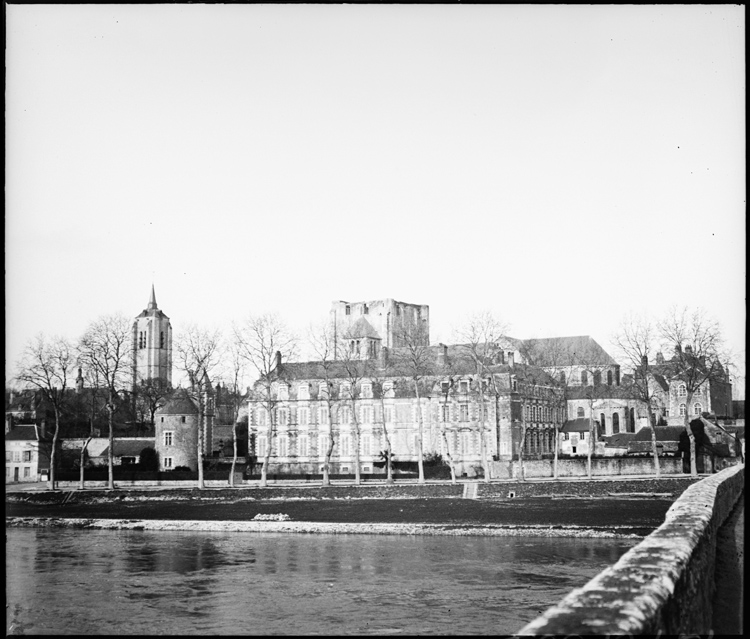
x,y
597,377
697,409
536,413
371,414
459,443
26,471
18,455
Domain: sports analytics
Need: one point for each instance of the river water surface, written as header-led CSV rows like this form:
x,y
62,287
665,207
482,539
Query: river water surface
x,y
67,581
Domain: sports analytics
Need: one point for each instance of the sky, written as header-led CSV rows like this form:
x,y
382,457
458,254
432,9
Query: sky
x,y
559,166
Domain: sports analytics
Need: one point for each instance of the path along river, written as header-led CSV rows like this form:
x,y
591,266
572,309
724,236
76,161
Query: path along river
x,y
69,581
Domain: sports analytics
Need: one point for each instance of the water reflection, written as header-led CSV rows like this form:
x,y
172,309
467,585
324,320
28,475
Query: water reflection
x,y
231,583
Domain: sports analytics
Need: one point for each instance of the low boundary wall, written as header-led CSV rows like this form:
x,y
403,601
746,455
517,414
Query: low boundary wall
x,y
665,584
600,467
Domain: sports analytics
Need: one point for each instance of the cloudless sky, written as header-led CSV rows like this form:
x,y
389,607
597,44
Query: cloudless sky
x,y
558,165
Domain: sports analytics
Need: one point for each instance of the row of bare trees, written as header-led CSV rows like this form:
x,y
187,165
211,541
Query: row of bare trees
x,y
254,346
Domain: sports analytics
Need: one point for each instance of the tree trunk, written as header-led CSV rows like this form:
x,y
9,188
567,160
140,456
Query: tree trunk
x,y
388,451
201,417
82,480
357,476
522,443
329,449
52,456
482,441
234,453
450,457
591,442
654,449
110,456
557,447
267,452
691,437
420,454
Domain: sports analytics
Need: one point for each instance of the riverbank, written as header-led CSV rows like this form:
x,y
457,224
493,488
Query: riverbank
x,y
306,527
619,508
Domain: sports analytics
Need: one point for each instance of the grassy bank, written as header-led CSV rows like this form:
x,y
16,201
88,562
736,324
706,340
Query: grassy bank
x,y
595,505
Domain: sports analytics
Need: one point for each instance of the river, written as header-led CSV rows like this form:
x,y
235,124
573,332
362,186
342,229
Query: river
x,y
68,581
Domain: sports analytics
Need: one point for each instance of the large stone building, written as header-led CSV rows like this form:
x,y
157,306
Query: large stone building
x,y
365,327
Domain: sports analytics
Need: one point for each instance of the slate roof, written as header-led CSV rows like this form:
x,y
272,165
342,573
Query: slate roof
x,y
602,391
619,440
663,434
178,404
578,425
566,351
22,433
128,447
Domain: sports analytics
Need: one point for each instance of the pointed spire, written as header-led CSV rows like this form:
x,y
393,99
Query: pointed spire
x,y
152,301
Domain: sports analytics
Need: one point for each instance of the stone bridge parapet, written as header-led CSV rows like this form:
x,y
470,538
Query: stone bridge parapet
x,y
665,584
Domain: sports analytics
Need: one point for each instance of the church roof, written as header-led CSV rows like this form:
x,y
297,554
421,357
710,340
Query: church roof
x,y
566,351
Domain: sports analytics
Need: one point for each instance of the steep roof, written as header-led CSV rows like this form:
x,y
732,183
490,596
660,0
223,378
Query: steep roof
x,y
152,310
362,328
178,404
566,351
22,433
602,391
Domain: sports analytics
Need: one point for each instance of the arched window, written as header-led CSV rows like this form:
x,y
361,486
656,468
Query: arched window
x,y
615,423
609,378
581,412
584,378
603,421
683,409
597,378
526,412
681,390
697,408
631,421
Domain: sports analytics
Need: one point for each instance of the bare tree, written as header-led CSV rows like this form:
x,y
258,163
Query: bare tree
x,y
323,339
46,365
198,351
264,342
481,336
150,394
92,377
356,368
106,349
415,363
696,341
379,373
446,387
236,373
635,341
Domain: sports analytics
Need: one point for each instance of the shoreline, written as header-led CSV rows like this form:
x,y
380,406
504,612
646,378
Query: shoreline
x,y
308,527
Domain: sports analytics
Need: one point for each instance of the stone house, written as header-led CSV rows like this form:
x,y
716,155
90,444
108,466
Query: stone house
x,y
27,453
176,429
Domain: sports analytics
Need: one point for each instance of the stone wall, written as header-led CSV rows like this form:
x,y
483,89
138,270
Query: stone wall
x,y
600,467
665,584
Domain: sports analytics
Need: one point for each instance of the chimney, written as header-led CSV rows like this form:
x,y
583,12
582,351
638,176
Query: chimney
x,y
644,360
43,429
278,361
442,354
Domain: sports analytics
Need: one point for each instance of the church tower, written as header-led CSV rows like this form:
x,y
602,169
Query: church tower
x,y
152,344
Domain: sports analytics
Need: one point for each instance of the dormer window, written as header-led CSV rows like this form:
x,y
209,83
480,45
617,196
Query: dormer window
x,y
303,391
367,391
323,389
463,387
445,387
365,310
283,392
344,390
348,310
388,389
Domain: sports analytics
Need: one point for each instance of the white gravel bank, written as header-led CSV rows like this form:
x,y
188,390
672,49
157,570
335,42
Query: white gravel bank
x,y
306,527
